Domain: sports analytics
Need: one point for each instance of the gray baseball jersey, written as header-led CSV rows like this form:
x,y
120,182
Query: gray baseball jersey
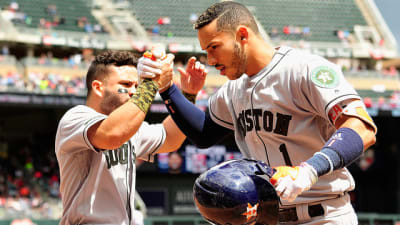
x,y
280,115
98,186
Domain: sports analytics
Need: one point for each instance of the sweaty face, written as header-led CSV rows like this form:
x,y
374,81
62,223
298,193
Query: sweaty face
x,y
119,85
223,51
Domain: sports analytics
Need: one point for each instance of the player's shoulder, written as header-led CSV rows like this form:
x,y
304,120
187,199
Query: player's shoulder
x,y
77,112
301,55
305,59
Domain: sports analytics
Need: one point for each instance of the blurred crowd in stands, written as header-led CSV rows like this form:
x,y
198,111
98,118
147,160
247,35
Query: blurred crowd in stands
x,y
29,182
42,83
52,19
290,31
54,82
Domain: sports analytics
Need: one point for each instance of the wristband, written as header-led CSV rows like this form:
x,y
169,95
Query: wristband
x,y
347,143
190,97
343,148
325,161
144,95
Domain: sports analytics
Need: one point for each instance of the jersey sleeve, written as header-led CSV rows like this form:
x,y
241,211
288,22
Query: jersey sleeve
x,y
72,130
219,107
326,86
149,138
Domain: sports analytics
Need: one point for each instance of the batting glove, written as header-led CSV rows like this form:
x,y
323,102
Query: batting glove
x,y
289,182
148,68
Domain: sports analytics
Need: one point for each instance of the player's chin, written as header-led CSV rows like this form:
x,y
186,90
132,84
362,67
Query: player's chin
x,y
232,76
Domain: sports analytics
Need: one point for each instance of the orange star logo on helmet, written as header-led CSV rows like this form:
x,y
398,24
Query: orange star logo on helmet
x,y
251,211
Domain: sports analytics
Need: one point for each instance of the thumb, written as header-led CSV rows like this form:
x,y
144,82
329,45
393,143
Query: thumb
x,y
170,58
182,72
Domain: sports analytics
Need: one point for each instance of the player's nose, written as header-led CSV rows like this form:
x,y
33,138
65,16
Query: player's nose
x,y
211,60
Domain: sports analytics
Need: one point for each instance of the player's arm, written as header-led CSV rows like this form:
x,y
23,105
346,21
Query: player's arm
x,y
194,123
118,127
364,130
197,125
355,133
174,136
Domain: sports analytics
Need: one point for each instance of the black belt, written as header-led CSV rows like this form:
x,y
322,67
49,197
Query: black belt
x,y
290,215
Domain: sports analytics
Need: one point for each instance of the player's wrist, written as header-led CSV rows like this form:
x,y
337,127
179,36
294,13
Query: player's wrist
x,y
190,97
310,170
165,87
325,161
144,95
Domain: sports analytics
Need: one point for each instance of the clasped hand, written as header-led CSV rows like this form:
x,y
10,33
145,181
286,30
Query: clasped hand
x,y
289,182
192,78
161,71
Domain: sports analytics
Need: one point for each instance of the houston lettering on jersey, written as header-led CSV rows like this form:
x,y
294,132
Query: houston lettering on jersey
x,y
258,119
120,155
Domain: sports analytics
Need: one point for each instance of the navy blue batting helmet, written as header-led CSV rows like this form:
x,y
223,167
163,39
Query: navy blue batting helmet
x,y
235,193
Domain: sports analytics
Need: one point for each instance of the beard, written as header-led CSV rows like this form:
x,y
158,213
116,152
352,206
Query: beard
x,y
110,102
239,60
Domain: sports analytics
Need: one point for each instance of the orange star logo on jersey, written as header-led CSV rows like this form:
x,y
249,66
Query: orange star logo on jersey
x,y
251,211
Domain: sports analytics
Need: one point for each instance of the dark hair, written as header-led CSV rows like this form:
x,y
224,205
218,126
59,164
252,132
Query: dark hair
x,y
99,66
229,15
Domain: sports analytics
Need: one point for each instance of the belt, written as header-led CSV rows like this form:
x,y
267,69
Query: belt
x,y
290,215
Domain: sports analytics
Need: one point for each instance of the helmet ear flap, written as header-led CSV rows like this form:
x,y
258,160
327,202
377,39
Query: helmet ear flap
x,y
264,169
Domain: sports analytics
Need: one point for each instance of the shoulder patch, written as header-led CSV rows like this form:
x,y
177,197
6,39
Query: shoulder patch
x,y
325,77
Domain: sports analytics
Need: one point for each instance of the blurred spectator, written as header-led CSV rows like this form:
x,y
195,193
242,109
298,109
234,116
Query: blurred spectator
x,y
175,163
88,27
5,50
51,10
14,6
155,30
81,22
97,28
274,33
163,20
193,18
286,30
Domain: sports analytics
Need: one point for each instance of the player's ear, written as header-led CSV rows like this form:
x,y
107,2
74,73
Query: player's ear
x,y
98,88
242,34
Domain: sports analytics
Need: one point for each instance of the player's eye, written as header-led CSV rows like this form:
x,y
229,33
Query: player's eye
x,y
126,84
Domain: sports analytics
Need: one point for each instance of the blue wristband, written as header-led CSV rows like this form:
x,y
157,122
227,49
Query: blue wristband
x,y
347,144
325,161
343,148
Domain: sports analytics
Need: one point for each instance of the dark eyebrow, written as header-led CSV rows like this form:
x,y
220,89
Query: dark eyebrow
x,y
126,81
209,45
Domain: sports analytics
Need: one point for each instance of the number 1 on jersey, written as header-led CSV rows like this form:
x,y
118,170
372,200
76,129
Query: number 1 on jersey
x,y
285,154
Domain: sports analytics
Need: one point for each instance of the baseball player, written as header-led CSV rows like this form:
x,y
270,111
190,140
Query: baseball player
x,y
97,143
290,109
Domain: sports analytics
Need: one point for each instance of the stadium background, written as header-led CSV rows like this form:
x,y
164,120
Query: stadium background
x,y
47,45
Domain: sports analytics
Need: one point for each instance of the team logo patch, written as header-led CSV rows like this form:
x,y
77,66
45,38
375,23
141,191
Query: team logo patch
x,y
325,77
251,211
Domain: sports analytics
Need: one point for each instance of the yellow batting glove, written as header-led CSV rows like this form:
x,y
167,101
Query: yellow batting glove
x,y
289,182
283,171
